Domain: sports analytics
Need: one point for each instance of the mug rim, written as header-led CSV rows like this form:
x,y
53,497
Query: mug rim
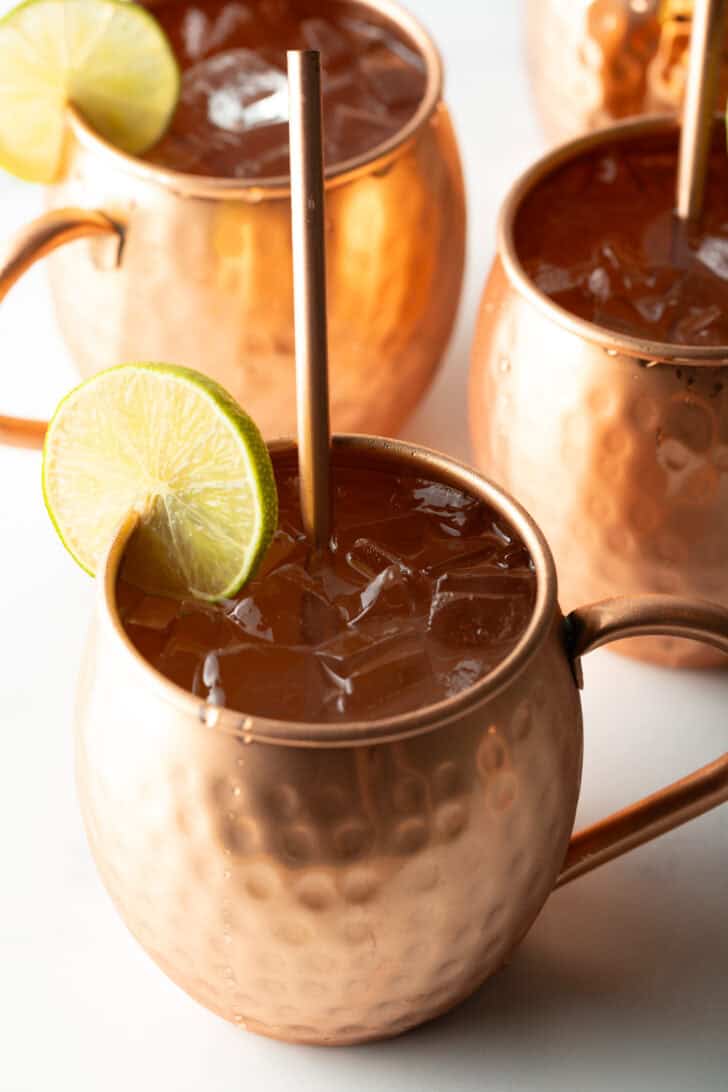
x,y
253,728
646,350
255,189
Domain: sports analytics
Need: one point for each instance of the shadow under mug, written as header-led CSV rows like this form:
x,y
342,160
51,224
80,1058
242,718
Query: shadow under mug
x,y
617,445
336,883
198,271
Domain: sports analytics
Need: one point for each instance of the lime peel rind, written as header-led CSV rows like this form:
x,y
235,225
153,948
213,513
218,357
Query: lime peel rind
x,y
110,59
172,445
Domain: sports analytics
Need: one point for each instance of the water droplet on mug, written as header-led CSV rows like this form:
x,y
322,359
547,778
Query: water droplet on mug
x,y
210,715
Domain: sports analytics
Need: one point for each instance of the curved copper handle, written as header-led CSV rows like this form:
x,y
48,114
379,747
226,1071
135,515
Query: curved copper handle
x,y
646,615
31,243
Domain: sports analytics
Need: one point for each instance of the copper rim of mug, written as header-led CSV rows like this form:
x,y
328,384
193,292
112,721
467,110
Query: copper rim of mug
x,y
255,189
646,351
359,733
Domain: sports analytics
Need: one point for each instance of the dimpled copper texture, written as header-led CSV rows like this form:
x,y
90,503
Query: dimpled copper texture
x,y
348,882
204,277
599,61
618,447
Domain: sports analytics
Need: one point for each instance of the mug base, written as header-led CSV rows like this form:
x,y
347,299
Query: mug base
x,y
361,1035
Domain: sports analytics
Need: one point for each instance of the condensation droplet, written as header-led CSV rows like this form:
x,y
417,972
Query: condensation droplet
x,y
246,728
210,715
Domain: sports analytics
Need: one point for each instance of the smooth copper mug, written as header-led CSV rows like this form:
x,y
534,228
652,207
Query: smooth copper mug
x,y
618,446
334,883
199,269
597,61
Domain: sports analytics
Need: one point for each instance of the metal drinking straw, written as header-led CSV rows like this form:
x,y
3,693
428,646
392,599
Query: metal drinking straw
x,y
309,293
706,49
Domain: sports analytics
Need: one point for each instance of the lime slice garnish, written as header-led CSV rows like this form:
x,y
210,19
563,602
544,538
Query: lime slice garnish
x,y
110,59
172,445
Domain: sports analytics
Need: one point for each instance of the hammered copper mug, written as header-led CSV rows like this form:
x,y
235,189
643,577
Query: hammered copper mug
x,y
335,883
199,269
617,445
599,61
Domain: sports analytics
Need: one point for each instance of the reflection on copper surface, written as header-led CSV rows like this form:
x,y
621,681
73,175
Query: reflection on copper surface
x,y
596,62
335,883
205,275
616,444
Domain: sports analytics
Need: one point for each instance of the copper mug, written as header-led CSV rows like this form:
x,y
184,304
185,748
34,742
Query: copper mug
x,y
618,446
598,61
335,883
199,269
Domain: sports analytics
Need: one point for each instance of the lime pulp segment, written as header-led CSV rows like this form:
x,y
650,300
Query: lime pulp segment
x,y
172,445
108,58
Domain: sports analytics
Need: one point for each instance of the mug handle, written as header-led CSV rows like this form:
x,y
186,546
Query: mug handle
x,y
32,242
642,616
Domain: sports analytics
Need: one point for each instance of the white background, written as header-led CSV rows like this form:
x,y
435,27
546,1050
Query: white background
x,y
623,981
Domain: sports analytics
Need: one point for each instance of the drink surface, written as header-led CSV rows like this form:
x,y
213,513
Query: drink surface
x,y
427,589
599,237
232,116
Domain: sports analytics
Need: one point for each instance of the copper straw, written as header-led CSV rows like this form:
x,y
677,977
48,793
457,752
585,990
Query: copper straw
x,y
706,46
309,293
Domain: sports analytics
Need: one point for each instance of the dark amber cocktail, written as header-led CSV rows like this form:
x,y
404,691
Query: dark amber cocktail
x,y
425,590
232,117
599,237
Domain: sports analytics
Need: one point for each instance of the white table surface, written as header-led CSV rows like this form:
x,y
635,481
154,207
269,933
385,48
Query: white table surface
x,y
623,981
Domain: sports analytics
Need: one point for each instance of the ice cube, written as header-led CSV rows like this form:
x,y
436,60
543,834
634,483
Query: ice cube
x,y
504,535
287,546
488,608
457,553
322,35
286,608
440,499
551,279
249,617
455,513
186,152
239,90
267,680
394,73
351,130
272,162
390,594
367,32
713,253
363,495
335,584
153,612
199,628
651,308
369,558
202,33
377,676
399,537
599,283
695,326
